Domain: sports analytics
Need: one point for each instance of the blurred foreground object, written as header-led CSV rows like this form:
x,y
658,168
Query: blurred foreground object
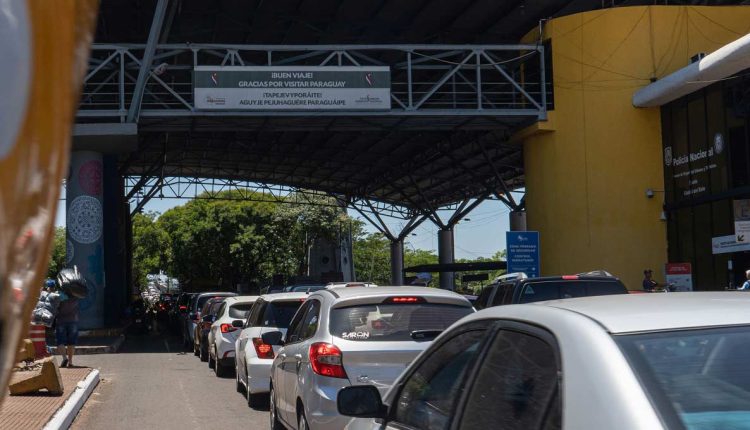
x,y
44,46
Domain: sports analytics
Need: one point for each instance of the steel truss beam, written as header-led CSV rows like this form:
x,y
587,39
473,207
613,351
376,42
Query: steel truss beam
x,y
494,80
211,189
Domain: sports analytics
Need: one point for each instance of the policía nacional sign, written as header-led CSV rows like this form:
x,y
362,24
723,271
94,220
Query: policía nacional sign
x,y
292,88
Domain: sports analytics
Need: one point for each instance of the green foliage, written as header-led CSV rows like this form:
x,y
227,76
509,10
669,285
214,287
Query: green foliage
x,y
229,240
152,248
57,259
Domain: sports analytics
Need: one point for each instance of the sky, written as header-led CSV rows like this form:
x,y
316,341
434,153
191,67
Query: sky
x,y
480,234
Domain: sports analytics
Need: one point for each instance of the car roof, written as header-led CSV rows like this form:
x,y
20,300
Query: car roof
x,y
217,294
284,296
241,299
626,313
432,294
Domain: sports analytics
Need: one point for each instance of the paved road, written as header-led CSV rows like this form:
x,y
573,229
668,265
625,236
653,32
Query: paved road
x,y
151,383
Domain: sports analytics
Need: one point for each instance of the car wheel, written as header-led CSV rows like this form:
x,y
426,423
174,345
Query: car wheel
x,y
205,356
275,423
220,370
196,349
302,421
254,399
237,383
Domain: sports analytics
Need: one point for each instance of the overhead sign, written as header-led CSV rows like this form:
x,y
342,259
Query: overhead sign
x,y
523,252
742,220
680,275
727,244
292,88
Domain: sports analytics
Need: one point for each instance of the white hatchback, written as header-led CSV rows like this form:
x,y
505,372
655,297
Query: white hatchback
x,y
224,330
271,312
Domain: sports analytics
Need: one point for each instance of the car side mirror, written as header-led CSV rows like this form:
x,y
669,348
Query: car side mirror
x,y
238,323
360,401
274,338
208,319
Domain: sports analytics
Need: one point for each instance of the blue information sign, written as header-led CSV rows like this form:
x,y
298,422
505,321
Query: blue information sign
x,y
523,252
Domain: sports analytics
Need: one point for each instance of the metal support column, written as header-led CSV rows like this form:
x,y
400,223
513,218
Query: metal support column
x,y
445,256
517,220
397,261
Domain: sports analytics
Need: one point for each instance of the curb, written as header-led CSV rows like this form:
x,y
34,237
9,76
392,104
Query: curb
x,y
91,349
64,417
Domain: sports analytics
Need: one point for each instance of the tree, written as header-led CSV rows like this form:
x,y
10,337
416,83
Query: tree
x,y
58,259
152,247
372,261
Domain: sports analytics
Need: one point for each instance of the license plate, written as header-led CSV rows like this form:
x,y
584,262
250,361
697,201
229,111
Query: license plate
x,y
138,320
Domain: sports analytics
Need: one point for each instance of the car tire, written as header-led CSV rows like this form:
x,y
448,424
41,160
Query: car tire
x,y
238,385
302,421
219,369
196,349
255,400
273,412
205,356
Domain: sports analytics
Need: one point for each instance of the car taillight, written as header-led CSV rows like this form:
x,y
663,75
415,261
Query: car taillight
x,y
325,360
227,328
263,350
183,307
570,277
404,300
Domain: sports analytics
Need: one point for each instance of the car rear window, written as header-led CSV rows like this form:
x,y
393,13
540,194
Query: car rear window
x,y
553,290
203,299
393,322
699,377
279,313
307,288
240,311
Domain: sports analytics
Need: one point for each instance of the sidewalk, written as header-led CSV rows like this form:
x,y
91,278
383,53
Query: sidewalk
x,y
37,410
92,345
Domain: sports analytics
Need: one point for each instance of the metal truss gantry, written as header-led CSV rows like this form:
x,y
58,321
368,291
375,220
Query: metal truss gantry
x,y
127,82
140,190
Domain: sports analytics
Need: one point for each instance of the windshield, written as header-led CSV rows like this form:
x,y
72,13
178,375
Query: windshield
x,y
280,313
553,290
394,322
307,288
703,376
240,311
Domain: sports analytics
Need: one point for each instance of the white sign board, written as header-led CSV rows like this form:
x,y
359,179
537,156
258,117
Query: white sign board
x,y
292,88
727,244
742,220
680,275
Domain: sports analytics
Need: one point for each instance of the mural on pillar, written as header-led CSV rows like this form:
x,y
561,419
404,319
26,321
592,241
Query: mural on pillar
x,y
90,177
94,263
85,219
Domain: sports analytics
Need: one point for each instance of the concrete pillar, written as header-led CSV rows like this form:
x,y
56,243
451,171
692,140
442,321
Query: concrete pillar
x,y
115,213
445,256
397,262
85,221
517,220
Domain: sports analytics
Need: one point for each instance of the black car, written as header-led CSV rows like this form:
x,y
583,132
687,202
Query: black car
x,y
513,289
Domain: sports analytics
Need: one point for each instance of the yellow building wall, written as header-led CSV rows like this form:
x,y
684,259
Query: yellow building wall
x,y
586,180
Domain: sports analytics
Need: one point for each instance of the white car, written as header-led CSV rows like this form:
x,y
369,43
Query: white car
x,y
271,312
350,336
224,330
620,362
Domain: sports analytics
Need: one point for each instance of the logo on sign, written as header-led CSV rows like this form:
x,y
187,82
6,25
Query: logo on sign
x,y
718,143
368,99
216,101
668,156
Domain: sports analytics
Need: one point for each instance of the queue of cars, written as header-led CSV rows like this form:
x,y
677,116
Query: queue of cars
x,y
573,352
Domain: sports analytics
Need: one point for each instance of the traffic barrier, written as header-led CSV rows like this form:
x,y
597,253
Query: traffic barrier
x,y
38,337
46,375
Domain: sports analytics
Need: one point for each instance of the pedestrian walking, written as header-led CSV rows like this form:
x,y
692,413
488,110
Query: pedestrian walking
x,y
746,285
73,287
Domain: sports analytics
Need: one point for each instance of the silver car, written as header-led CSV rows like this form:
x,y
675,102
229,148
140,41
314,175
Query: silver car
x,y
347,336
647,361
